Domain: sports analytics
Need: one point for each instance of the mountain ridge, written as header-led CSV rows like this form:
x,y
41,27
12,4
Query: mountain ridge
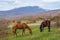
x,y
22,11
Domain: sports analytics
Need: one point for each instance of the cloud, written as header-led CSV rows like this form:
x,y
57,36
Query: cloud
x,y
46,4
6,4
50,0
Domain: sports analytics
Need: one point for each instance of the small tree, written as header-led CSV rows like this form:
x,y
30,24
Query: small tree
x,y
57,20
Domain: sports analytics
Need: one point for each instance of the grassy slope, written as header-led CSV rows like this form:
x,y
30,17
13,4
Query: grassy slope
x,y
37,35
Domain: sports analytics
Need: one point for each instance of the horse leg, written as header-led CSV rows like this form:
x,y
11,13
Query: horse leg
x,y
14,31
43,28
48,28
23,32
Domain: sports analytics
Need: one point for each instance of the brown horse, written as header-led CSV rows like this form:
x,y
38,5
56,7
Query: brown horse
x,y
22,26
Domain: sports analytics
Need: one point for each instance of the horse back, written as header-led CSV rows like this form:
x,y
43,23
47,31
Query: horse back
x,y
45,23
20,26
24,25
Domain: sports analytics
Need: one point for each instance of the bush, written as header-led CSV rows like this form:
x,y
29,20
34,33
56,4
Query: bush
x,y
3,28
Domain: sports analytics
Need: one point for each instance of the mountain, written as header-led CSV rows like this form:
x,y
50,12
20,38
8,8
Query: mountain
x,y
22,11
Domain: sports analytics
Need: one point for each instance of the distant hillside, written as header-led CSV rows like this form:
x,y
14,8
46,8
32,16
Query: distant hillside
x,y
49,13
29,10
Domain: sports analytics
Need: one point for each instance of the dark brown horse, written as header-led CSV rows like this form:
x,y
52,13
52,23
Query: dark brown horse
x,y
22,26
45,23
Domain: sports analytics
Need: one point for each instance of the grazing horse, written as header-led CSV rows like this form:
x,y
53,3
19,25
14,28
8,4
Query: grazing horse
x,y
45,23
22,26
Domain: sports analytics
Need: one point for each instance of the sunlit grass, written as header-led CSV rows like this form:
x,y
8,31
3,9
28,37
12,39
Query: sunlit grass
x,y
37,35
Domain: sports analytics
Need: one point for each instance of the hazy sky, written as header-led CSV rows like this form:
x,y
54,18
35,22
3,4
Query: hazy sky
x,y
46,4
